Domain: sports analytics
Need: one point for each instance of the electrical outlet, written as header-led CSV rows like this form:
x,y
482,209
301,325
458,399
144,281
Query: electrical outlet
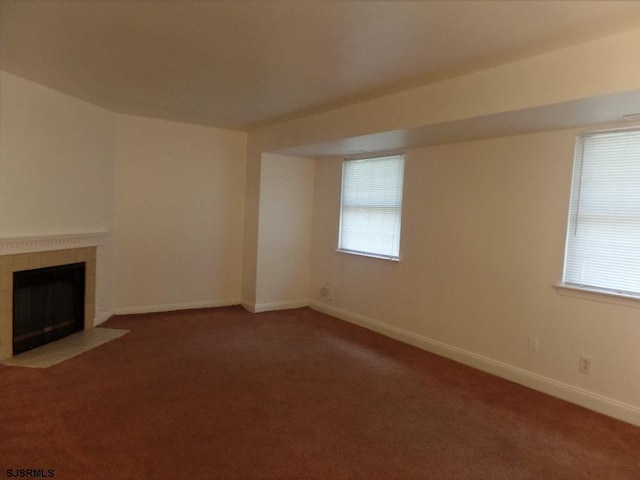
x,y
585,365
533,344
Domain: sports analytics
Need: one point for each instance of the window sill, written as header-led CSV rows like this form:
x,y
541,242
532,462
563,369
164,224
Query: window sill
x,y
369,255
594,294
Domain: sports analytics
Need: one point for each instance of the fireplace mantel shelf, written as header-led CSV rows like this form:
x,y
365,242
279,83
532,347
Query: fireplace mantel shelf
x,y
43,243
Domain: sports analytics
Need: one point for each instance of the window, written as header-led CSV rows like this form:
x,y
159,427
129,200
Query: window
x,y
371,207
603,236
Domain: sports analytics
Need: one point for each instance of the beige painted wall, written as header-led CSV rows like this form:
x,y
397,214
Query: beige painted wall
x,y
601,67
482,247
176,186
56,161
251,218
179,203
286,210
483,229
56,168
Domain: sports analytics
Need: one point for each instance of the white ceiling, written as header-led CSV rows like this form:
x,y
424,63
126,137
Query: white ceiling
x,y
238,64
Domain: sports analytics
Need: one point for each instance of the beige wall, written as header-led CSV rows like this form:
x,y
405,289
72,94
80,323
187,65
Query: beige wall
x,y
56,161
251,217
178,196
179,202
590,70
483,229
286,209
56,168
482,247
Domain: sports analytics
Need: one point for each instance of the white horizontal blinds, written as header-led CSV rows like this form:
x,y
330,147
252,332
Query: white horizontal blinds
x,y
603,239
371,206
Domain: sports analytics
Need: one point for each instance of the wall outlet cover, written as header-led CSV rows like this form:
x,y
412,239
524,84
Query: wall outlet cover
x,y
585,364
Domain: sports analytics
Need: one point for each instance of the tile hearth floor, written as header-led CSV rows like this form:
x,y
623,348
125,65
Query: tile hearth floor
x,y
65,348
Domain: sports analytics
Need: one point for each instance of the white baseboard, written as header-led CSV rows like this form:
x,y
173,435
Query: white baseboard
x,y
268,307
591,400
168,307
248,306
103,317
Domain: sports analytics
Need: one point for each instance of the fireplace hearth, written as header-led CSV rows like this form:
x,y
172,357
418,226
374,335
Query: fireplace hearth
x,y
48,304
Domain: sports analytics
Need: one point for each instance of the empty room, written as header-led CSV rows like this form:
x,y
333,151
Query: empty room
x,y
320,240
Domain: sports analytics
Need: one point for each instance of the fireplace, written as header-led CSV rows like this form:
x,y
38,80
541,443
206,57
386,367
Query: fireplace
x,y
25,254
48,304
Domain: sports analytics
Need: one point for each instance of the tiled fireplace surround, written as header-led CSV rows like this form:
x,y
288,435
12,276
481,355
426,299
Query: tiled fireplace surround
x,y
19,254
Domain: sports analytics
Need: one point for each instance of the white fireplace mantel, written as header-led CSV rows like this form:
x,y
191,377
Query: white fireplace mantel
x,y
44,243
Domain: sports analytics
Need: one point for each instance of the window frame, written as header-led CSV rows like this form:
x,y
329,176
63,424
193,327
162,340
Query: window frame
x,y
399,205
588,290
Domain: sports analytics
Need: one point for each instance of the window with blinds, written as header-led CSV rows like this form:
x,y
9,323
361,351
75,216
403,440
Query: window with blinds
x,y
371,207
603,236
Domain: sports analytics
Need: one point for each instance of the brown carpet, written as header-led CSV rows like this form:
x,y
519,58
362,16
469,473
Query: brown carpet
x,y
225,394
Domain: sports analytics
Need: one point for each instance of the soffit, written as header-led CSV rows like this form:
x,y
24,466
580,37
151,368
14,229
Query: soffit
x,y
606,110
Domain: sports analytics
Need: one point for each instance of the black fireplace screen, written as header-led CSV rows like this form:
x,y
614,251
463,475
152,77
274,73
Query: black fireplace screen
x,y
48,304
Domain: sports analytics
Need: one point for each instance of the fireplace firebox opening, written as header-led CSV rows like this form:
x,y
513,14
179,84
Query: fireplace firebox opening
x,y
48,304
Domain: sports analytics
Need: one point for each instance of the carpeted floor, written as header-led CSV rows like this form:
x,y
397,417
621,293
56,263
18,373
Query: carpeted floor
x,y
225,394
